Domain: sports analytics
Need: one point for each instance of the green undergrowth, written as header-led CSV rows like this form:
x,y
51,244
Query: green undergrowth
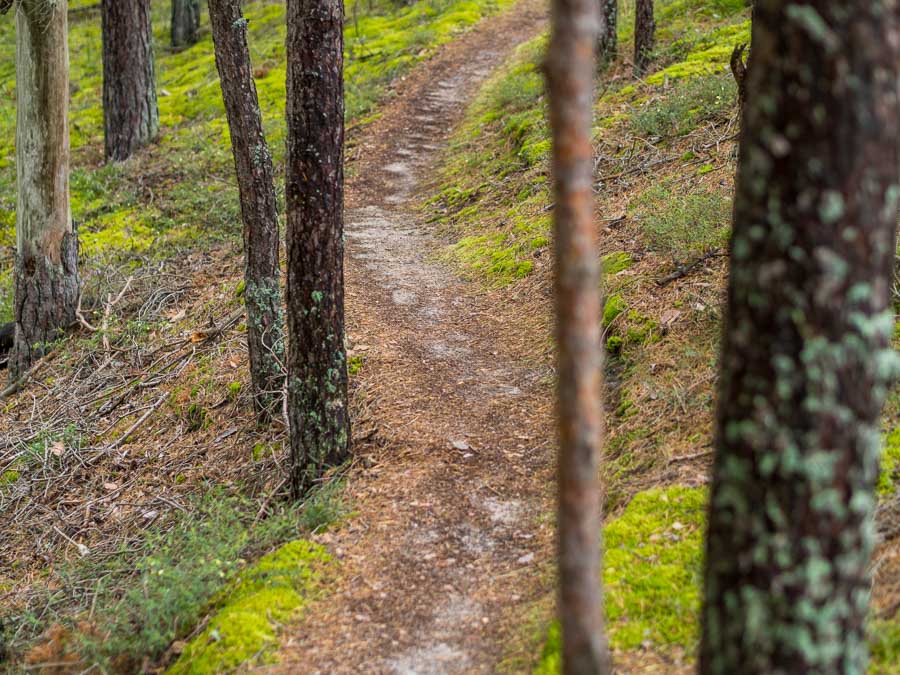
x,y
121,609
652,577
651,574
244,628
493,196
180,193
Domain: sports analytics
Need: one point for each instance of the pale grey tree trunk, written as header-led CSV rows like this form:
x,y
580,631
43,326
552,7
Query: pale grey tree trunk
x,y
46,276
185,22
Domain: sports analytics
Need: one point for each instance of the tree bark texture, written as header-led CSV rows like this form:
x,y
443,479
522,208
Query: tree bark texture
x,y
46,276
185,22
644,35
317,363
256,184
130,110
570,73
806,356
608,43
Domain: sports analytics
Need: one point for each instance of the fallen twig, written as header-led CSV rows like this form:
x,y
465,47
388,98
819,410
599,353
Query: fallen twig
x,y
683,270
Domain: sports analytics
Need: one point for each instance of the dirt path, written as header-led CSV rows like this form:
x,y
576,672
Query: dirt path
x,y
447,545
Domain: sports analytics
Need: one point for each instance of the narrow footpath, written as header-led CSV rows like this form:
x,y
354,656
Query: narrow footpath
x,y
449,541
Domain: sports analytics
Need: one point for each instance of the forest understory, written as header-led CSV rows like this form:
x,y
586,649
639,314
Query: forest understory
x,y
144,519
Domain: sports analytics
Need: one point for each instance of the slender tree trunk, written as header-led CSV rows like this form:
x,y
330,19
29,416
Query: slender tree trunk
x,y
644,35
317,363
806,357
253,166
570,71
185,22
130,110
608,44
46,276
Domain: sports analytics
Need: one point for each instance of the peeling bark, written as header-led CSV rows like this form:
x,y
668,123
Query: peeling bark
x,y
253,166
570,71
130,109
806,355
317,361
46,277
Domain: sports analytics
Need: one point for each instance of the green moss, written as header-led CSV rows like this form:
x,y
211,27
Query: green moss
x,y
651,573
612,308
9,476
614,344
890,463
354,364
234,390
681,108
244,628
884,643
615,262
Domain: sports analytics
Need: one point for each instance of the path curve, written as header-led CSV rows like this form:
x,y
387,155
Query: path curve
x,y
446,547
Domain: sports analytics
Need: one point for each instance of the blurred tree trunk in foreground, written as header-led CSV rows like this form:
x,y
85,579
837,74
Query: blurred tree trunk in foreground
x,y
570,74
317,357
253,166
46,276
130,110
806,357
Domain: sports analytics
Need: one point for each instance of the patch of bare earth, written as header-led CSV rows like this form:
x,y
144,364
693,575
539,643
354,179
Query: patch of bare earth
x,y
447,544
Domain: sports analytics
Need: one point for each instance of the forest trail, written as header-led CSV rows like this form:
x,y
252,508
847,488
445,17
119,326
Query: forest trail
x,y
446,544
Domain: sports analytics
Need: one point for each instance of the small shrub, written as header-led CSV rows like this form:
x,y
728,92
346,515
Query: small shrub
x,y
683,225
696,100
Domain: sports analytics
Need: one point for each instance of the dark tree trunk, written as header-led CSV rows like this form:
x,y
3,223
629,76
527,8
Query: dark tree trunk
x,y
570,71
253,165
317,363
130,110
806,357
46,276
644,35
608,43
185,22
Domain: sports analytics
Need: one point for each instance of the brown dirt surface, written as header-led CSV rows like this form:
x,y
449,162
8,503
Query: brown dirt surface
x,y
448,545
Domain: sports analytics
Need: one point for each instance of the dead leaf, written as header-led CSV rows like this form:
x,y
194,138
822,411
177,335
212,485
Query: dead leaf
x,y
58,449
669,317
110,486
178,316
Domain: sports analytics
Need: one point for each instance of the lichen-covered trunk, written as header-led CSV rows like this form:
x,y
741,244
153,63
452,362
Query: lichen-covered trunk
x,y
130,109
46,277
185,22
256,185
570,72
608,42
806,356
644,35
317,363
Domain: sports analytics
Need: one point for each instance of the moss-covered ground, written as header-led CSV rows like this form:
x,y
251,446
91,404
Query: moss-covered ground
x,y
180,193
665,160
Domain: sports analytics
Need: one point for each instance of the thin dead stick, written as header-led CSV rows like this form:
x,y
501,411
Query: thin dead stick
x,y
110,303
133,427
684,270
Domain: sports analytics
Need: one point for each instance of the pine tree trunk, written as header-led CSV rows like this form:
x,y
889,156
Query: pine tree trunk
x,y
607,45
185,22
253,166
806,356
317,364
644,35
46,277
570,73
130,110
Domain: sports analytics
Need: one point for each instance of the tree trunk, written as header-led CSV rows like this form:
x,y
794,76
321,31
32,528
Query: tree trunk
x,y
317,363
46,276
253,166
185,22
644,35
806,356
607,45
130,110
570,70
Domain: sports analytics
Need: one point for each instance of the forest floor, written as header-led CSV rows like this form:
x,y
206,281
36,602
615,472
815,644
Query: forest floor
x,y
448,540
137,491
